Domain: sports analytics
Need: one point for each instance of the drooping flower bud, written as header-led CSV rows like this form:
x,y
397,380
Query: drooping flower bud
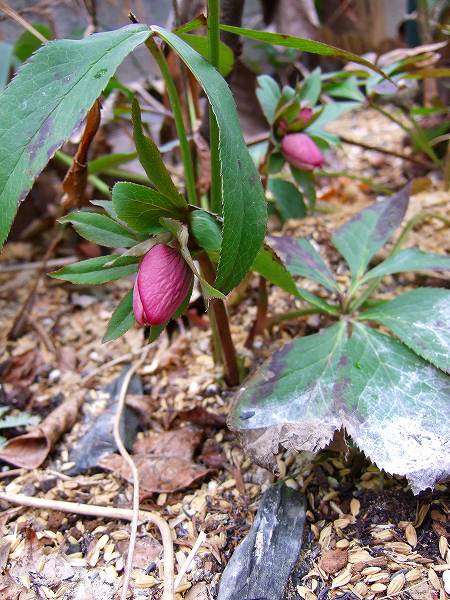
x,y
301,152
161,285
305,115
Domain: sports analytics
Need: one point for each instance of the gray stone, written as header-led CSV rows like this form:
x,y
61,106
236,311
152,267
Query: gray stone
x,y
260,567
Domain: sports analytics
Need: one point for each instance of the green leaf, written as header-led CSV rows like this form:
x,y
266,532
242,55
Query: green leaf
x,y
5,63
368,231
306,181
141,207
207,232
122,318
347,88
268,94
276,162
410,259
28,43
289,200
200,44
302,259
93,270
421,319
244,204
303,44
46,100
331,112
110,161
388,399
20,420
310,88
107,206
269,265
100,229
151,159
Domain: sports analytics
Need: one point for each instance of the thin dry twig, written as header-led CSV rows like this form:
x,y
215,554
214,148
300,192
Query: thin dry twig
x,y
127,458
104,512
185,566
21,21
38,264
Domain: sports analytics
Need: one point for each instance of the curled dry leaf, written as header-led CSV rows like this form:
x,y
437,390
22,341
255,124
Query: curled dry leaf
x,y
332,561
164,461
75,181
31,449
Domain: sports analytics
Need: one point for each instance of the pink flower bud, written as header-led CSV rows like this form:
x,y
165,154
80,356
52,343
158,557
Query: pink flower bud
x,y
305,115
161,285
301,152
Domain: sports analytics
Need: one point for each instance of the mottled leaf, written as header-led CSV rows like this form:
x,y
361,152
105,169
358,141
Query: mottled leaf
x,y
301,258
94,270
268,94
361,237
244,204
387,398
410,259
122,318
141,207
100,229
46,100
421,319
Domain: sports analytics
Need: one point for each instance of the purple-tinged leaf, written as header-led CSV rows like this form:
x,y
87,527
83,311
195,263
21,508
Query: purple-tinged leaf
x,y
302,259
368,231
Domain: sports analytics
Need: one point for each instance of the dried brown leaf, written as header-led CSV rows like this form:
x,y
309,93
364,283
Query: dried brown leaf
x,y
75,181
164,462
31,449
332,561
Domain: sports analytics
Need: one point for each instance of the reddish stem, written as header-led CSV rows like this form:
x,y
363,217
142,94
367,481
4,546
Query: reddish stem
x,y
259,323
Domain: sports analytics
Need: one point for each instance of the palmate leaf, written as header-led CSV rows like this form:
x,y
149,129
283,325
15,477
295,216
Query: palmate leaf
x,y
367,232
301,258
244,204
387,398
410,259
421,319
46,100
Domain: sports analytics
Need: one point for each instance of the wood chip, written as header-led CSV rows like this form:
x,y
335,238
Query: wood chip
x,y
396,584
400,547
443,546
143,581
341,579
355,507
434,579
411,535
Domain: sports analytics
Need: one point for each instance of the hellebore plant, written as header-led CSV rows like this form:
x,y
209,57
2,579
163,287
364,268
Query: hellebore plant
x,y
390,394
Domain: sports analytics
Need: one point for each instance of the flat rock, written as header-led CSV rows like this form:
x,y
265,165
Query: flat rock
x,y
260,567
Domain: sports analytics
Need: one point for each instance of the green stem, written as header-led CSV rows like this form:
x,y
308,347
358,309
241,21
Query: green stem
x,y
178,117
213,55
292,314
95,181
